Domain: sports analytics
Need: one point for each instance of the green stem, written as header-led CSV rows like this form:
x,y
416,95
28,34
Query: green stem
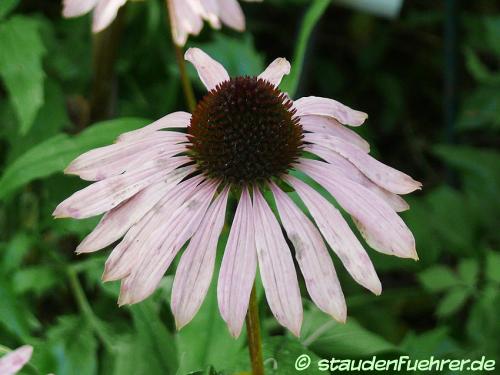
x,y
105,46
253,333
87,312
187,88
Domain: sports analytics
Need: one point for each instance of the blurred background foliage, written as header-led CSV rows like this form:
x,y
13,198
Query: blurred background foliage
x,y
434,102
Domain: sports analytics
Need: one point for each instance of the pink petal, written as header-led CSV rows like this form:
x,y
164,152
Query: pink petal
x,y
350,171
184,20
195,269
127,254
239,264
210,71
377,217
116,223
276,267
209,11
389,178
172,120
108,161
339,236
75,8
14,361
104,195
231,14
313,105
328,125
313,258
276,70
176,227
104,13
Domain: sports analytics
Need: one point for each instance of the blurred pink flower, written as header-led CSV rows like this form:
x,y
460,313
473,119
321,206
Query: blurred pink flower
x,y
14,361
104,11
167,183
186,16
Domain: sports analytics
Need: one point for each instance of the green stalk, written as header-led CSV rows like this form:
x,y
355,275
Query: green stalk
x,y
253,333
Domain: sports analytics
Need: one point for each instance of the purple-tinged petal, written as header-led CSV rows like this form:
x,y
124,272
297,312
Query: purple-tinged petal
x,y
210,71
328,125
276,267
196,267
184,20
118,221
104,195
14,361
387,177
176,227
313,258
377,217
275,72
76,8
313,105
239,264
104,13
231,14
339,236
170,121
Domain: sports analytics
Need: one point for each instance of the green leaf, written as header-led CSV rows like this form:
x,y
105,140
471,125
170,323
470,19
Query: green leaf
x,y
37,279
54,154
311,18
71,348
438,279
14,252
6,6
452,301
154,341
493,266
468,270
21,67
431,343
325,336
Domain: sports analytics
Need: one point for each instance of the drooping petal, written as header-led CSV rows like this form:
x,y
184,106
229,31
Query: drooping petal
x,y
276,70
127,254
184,20
313,258
177,228
104,195
75,8
376,216
14,361
387,177
116,222
104,13
313,105
276,267
172,120
231,14
210,71
349,170
108,161
239,264
209,11
328,125
195,269
339,236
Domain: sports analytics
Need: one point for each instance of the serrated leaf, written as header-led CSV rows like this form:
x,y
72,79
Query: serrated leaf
x,y
452,301
438,279
54,154
21,68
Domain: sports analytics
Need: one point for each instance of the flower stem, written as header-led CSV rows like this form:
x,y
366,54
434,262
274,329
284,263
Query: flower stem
x,y
105,46
186,83
181,64
87,312
253,333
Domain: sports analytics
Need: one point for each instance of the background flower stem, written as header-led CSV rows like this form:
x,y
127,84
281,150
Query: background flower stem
x,y
253,333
